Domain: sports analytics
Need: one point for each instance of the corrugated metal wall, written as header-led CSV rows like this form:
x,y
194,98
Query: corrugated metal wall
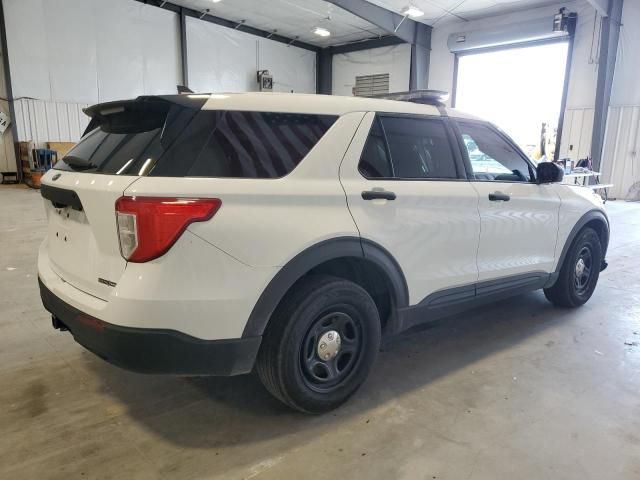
x,y
40,121
620,163
576,133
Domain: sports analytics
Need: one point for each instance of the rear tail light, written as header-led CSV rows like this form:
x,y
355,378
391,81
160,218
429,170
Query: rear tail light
x,y
149,226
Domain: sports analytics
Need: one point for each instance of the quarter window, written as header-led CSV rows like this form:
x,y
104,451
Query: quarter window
x,y
375,162
492,158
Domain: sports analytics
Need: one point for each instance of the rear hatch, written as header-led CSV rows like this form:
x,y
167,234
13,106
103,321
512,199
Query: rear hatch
x,y
83,242
123,141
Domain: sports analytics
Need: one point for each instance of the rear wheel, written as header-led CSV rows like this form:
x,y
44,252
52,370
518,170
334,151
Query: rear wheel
x,y
320,344
579,272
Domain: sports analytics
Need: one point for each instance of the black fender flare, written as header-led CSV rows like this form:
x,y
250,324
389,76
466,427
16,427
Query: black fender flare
x,y
313,256
592,215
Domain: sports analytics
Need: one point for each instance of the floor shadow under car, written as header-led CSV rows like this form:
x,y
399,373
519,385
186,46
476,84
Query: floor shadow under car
x,y
209,412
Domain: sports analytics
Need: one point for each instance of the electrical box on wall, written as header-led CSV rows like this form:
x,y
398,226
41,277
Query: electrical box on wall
x,y
265,81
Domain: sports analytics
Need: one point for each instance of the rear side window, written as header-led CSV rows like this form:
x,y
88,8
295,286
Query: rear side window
x,y
176,141
413,148
244,144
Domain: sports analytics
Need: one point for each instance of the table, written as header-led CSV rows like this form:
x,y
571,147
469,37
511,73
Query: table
x,y
581,178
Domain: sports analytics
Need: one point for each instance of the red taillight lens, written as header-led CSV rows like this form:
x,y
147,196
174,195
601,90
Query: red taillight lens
x,y
149,226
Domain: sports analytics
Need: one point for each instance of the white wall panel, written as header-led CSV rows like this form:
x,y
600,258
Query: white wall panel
x,y
394,60
27,45
91,50
620,161
160,38
74,52
137,50
69,53
293,68
120,55
220,59
71,47
224,60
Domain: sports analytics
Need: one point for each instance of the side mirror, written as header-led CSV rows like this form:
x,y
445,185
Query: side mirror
x,y
548,172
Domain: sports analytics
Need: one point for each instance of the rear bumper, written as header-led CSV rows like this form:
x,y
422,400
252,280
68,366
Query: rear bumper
x,y
148,350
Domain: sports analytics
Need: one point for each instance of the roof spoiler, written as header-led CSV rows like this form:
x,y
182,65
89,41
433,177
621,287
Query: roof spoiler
x,y
100,112
427,97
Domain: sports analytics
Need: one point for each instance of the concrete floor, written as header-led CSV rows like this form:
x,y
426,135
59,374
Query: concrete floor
x,y
520,390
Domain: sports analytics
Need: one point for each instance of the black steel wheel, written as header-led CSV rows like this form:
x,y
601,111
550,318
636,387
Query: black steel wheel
x,y
579,272
583,270
330,350
320,344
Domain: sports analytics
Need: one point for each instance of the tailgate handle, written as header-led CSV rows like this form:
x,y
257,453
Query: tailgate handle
x,y
61,197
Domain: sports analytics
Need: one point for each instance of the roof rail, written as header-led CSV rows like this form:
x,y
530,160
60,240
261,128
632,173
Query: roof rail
x,y
429,97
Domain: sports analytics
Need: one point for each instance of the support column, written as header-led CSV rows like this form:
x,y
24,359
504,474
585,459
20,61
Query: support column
x,y
420,57
9,91
606,68
324,71
183,48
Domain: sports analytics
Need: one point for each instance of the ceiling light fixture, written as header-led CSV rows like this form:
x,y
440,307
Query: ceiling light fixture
x,y
412,11
323,32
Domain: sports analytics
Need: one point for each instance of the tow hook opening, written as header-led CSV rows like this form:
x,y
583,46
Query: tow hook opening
x,y
58,325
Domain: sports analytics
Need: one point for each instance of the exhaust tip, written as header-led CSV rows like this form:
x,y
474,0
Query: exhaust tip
x,y
58,325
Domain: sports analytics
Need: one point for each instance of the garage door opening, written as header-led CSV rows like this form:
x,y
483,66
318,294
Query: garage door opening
x,y
519,89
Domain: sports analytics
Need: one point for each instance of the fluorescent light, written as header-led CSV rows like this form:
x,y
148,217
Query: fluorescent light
x,y
323,32
412,11
216,1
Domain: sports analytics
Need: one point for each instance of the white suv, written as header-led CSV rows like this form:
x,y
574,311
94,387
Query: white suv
x,y
206,234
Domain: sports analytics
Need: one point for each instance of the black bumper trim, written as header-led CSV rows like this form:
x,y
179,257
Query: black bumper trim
x,y
149,350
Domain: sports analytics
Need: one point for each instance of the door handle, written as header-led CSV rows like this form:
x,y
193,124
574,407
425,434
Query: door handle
x,y
499,196
378,194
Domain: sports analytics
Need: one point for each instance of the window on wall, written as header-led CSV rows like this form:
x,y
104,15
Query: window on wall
x,y
371,85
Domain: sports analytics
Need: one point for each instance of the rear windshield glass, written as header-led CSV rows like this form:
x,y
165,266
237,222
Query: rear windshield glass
x,y
183,142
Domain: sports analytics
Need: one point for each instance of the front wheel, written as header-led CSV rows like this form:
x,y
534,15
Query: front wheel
x,y
320,344
579,272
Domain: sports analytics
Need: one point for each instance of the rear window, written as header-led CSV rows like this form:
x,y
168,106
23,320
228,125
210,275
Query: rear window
x,y
183,142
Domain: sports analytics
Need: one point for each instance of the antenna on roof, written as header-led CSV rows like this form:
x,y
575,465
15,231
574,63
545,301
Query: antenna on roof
x,y
428,97
183,90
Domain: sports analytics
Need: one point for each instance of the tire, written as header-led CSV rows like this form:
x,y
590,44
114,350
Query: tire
x,y
576,284
289,363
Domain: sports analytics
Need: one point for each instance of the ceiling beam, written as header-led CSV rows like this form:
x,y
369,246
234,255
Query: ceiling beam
x,y
602,6
402,27
366,44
